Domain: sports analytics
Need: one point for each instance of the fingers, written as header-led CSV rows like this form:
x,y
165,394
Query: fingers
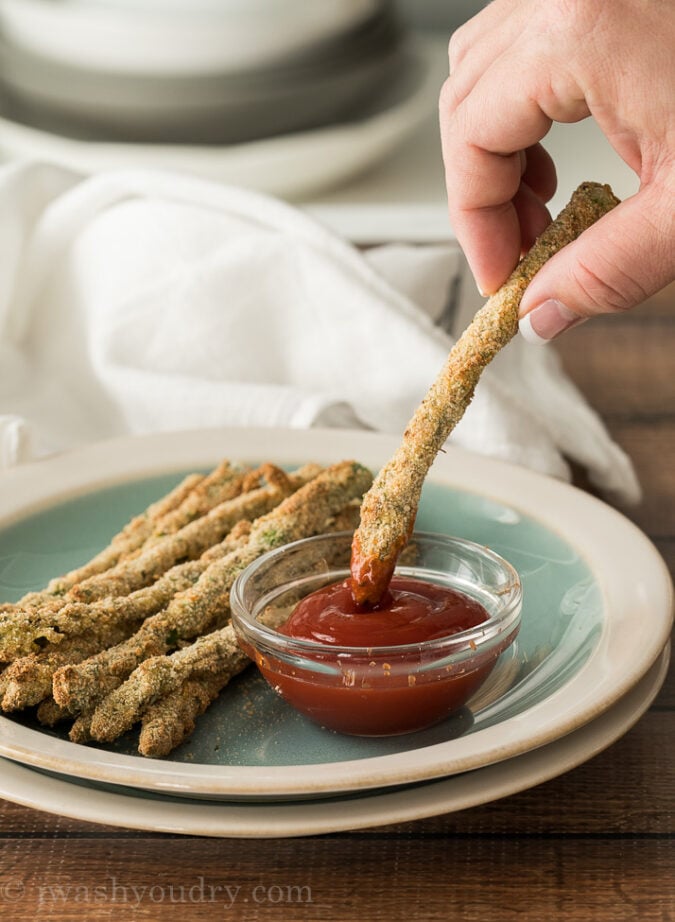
x,y
475,45
482,137
494,210
515,68
540,174
498,103
613,266
533,216
496,16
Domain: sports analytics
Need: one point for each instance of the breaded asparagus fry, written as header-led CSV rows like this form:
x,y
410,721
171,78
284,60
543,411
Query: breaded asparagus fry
x,y
300,515
49,713
188,543
32,628
305,512
29,679
389,508
79,686
346,520
158,676
195,495
4,682
193,610
211,661
224,483
132,536
80,732
171,720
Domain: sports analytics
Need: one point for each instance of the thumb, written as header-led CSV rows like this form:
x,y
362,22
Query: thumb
x,y
625,257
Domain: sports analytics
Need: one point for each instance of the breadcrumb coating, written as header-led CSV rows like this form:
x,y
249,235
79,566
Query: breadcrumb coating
x,y
194,611
301,515
389,508
188,543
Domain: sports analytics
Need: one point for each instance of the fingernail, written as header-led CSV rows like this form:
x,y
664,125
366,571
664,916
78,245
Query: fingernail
x,y
547,321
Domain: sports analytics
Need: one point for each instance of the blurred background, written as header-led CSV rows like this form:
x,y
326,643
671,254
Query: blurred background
x,y
332,104
445,15
208,71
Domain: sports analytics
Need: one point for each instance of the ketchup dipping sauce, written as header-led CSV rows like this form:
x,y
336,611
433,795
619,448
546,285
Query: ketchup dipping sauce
x,y
451,609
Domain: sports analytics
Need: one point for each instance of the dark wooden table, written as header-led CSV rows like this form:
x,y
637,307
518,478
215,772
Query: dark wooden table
x,y
594,844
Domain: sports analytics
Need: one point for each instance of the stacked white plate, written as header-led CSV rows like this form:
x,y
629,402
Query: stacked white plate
x,y
283,96
591,655
198,73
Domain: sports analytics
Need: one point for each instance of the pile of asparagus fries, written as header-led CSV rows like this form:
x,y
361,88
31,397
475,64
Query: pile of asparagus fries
x,y
141,632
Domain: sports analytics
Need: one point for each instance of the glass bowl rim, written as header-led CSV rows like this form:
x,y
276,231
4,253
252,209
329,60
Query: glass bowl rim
x,y
478,639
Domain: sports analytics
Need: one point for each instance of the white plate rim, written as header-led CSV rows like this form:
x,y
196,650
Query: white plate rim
x,y
29,788
601,535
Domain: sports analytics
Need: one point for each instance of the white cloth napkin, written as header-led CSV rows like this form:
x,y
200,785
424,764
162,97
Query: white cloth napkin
x,y
134,302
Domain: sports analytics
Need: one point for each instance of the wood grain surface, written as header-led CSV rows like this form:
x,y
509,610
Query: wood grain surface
x,y
595,844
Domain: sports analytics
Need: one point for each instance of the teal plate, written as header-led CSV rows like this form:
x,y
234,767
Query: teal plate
x,y
250,725
250,743
136,809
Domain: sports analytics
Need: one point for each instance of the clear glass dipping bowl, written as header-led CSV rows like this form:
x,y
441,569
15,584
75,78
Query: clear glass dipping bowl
x,y
375,691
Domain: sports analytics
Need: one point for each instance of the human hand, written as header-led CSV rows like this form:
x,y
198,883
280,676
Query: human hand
x,y
515,68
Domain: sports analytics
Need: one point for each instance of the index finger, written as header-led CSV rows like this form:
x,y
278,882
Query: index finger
x,y
509,109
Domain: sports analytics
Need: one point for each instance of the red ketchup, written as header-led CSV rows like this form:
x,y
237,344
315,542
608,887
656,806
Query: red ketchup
x,y
373,694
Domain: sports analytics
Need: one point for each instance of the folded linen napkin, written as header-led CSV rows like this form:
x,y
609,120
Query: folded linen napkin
x,y
135,302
